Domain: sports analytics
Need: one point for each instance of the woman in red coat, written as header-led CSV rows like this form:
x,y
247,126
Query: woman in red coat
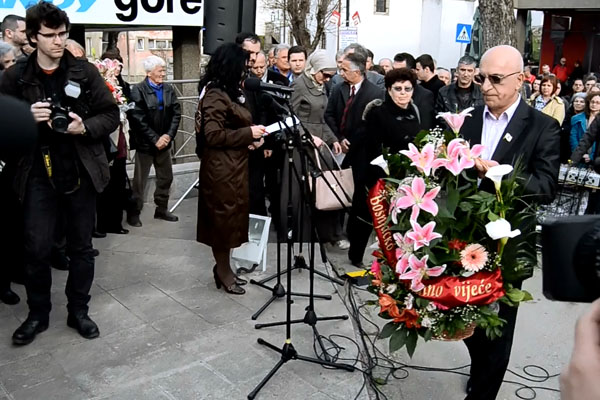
x,y
224,137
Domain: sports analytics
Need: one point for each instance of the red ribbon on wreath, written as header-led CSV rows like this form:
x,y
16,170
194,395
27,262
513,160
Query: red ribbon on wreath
x,y
380,208
480,288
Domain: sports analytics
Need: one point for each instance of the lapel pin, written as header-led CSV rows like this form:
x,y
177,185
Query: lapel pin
x,y
508,137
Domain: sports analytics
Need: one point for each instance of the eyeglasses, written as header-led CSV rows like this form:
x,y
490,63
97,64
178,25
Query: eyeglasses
x,y
61,35
494,78
400,89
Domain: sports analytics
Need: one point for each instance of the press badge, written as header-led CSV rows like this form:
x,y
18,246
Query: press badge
x,y
73,89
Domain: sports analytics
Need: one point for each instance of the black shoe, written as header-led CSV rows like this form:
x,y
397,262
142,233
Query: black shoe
x,y
9,297
28,330
83,324
232,289
120,231
165,215
98,235
134,220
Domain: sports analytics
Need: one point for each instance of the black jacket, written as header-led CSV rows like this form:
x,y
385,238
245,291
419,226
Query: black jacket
x,y
434,85
425,101
535,140
148,123
388,126
447,100
95,105
354,119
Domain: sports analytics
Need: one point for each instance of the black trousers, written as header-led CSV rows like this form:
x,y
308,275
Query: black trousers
x,y
489,358
113,200
41,208
11,232
360,224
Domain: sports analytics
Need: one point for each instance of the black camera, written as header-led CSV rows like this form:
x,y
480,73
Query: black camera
x,y
571,258
59,118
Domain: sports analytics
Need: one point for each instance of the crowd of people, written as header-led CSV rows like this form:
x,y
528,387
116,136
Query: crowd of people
x,y
350,108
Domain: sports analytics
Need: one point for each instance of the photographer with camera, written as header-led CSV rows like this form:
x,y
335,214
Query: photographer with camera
x,y
74,111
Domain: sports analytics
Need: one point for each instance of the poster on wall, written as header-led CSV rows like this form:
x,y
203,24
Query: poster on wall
x,y
120,12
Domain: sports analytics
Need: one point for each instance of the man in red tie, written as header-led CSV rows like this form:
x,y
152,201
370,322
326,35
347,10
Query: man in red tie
x,y
344,112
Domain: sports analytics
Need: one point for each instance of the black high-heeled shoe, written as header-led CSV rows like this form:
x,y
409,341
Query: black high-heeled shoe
x,y
234,288
238,281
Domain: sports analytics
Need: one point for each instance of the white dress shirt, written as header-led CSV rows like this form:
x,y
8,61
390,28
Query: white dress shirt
x,y
493,128
356,87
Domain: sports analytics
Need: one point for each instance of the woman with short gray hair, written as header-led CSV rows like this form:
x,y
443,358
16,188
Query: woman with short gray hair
x,y
7,56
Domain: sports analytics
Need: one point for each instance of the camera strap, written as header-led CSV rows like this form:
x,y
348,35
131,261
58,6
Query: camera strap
x,y
47,159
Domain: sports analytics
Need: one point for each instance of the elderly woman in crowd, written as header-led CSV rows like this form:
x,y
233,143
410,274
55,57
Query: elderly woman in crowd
x,y
224,133
7,56
581,122
309,101
394,122
547,101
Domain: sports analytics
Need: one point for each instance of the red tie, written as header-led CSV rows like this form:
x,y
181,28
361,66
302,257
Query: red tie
x,y
346,109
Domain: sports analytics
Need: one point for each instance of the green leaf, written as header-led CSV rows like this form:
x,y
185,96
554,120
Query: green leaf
x,y
411,343
492,217
398,340
388,329
452,200
516,295
428,335
444,213
465,206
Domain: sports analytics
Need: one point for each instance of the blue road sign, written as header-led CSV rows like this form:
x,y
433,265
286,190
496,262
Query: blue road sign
x,y
463,33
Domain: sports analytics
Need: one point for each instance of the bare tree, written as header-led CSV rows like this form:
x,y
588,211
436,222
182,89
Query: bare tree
x,y
304,15
498,23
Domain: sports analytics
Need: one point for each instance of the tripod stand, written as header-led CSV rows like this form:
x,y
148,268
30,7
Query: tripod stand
x,y
287,351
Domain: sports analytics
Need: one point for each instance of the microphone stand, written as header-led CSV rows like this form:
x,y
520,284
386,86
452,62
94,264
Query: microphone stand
x,y
287,351
278,290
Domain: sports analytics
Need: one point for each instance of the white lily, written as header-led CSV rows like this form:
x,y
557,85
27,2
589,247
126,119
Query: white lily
x,y
501,229
497,172
380,162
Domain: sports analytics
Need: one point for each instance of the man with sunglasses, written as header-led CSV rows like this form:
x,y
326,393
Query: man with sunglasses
x,y
512,133
67,167
463,93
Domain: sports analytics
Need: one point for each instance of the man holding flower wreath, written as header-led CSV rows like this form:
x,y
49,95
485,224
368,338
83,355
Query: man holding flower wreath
x,y
516,134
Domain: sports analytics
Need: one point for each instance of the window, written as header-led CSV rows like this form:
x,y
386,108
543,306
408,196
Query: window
x,y
381,6
88,47
140,44
159,44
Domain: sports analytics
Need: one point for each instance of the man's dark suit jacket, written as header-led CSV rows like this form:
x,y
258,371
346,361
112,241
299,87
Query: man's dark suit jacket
x,y
425,102
535,138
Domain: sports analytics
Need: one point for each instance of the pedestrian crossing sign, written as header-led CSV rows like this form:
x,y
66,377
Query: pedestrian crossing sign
x,y
463,33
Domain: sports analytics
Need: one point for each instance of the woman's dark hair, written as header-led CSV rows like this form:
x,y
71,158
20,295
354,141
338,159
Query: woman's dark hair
x,y
588,100
225,70
400,75
552,79
112,54
47,14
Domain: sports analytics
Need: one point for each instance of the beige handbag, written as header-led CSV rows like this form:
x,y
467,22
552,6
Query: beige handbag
x,y
341,182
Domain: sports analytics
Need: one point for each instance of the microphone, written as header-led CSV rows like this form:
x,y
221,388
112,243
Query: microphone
x,y
269,102
255,85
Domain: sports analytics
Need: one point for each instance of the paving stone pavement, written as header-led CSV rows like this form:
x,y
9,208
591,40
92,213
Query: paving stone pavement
x,y
168,333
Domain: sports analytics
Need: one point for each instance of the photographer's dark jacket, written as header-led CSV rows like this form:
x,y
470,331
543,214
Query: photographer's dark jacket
x,y
148,121
95,105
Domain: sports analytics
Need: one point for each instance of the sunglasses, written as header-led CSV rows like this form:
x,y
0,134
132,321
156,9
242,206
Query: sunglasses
x,y
493,78
400,89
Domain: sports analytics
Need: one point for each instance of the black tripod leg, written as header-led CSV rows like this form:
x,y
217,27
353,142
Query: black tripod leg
x,y
262,383
264,307
269,345
332,279
318,296
347,367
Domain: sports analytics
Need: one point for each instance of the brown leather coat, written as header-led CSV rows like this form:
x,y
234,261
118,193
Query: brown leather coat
x,y
223,196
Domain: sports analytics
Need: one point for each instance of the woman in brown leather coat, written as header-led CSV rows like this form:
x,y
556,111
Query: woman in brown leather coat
x,y
224,136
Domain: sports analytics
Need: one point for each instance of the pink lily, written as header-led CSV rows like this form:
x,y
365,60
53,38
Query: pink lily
x,y
403,251
468,155
422,235
453,161
455,121
423,160
415,197
375,267
419,271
